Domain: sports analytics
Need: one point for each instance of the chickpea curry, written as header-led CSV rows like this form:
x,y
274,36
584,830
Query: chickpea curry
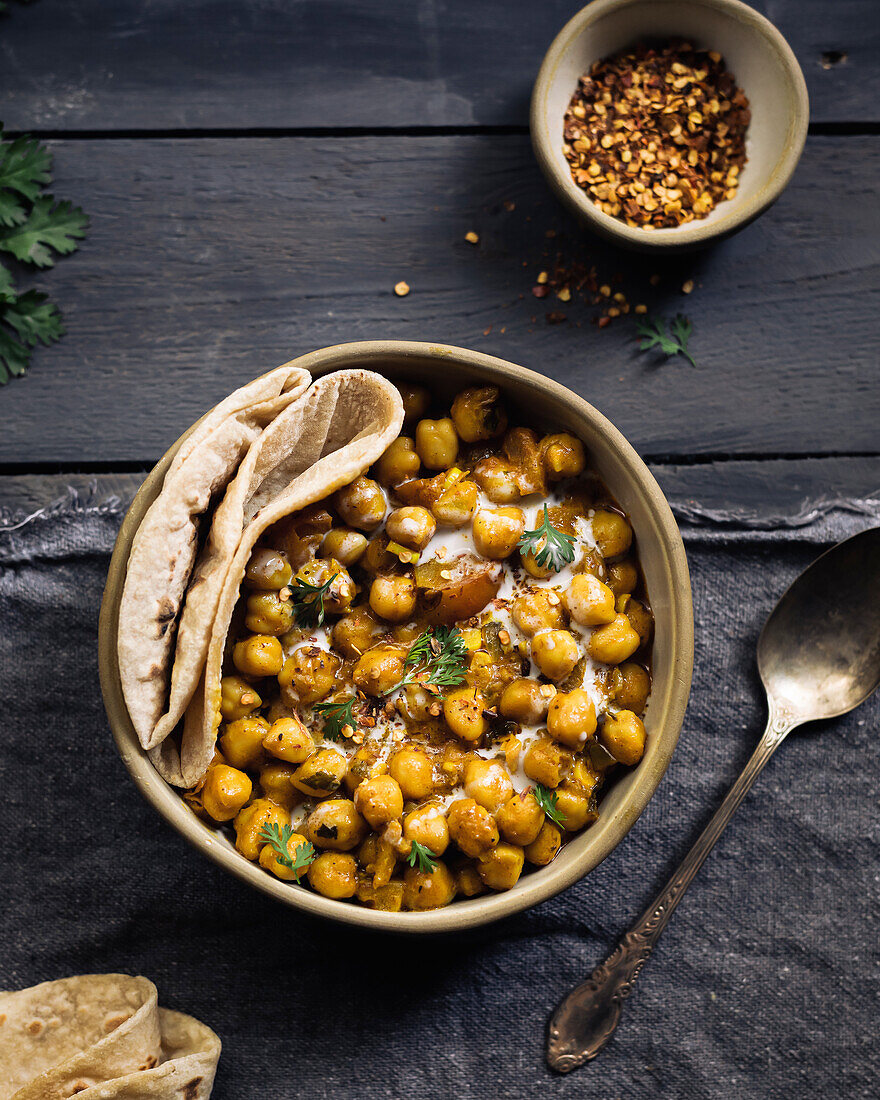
x,y
431,674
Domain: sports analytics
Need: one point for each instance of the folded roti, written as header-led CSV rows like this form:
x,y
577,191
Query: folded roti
x,y
101,1037
164,546
333,433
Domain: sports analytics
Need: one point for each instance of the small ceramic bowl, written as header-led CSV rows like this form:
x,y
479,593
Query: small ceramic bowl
x,y
544,404
754,51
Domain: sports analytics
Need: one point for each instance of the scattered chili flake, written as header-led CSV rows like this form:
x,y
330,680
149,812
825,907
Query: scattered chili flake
x,y
555,317
656,135
472,237
401,289
540,291
509,205
687,286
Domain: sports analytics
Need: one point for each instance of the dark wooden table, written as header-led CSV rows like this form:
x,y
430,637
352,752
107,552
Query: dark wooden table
x,y
260,173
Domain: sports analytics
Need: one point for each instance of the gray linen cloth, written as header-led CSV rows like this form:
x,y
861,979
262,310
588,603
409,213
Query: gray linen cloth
x,y
766,983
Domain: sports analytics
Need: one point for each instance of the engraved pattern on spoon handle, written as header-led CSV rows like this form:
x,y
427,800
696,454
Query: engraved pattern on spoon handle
x,y
585,1021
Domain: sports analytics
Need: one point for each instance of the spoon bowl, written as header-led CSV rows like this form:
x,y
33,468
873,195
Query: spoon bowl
x,y
819,651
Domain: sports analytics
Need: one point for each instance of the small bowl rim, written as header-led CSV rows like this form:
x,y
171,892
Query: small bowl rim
x,y
698,232
470,913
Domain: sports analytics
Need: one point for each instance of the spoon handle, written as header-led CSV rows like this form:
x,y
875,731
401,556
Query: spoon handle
x,y
585,1021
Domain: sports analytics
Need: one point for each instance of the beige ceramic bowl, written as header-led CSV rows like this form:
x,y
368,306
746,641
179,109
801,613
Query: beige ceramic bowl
x,y
547,405
755,52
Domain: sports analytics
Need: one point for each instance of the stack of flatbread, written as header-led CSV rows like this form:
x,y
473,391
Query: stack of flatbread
x,y
101,1037
270,449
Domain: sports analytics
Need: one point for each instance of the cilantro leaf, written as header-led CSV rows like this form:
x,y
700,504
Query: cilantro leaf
x,y
422,854
551,548
307,600
14,357
35,319
278,836
674,342
547,800
436,659
25,167
11,210
337,716
50,225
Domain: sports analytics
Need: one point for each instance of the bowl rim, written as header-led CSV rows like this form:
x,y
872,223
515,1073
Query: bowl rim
x,y
698,232
370,354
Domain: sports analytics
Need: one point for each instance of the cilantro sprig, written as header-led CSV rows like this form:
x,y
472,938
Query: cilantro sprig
x,y
550,547
278,836
336,717
307,600
547,800
675,342
437,659
422,854
35,229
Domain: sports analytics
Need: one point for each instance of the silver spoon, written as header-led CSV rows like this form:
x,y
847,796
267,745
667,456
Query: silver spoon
x,y
819,657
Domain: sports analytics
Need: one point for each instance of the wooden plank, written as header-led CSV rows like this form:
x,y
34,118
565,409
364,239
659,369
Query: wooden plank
x,y
751,489
94,65
211,260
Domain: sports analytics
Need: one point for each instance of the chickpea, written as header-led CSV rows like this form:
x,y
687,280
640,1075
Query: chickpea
x,y
379,800
258,655
321,774
361,504
225,791
427,825
640,617
631,685
275,783
524,701
571,718
469,882
537,609
393,597
340,589
361,766
379,669
267,613
242,741
520,818
289,740
411,767
487,782
416,400
436,443
344,545
356,632
498,479
612,533
522,449
623,735
563,456
614,643
399,463
497,531
450,766
501,868
546,762
237,698
555,652
335,824
472,827
463,712
268,570
309,674
456,505
269,858
622,577
254,817
512,748
411,526
478,415
530,564
573,804
544,847
589,601
424,890
334,874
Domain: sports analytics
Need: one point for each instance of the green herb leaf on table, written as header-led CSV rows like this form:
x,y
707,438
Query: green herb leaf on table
x,y
336,717
421,854
308,600
25,166
550,547
674,342
437,659
50,225
547,800
278,836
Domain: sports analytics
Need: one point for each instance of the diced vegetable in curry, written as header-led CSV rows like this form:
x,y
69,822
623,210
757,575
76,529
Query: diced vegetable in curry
x,y
436,670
